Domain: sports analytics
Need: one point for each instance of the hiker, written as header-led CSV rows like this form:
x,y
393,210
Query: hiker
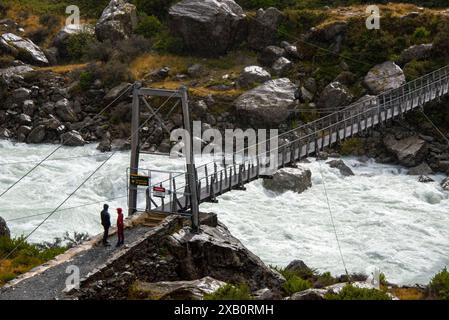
x,y
120,227
106,223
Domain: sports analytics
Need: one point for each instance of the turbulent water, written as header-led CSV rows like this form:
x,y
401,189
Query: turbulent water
x,y
383,218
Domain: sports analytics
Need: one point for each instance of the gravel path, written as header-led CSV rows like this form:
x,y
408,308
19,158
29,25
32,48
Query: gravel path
x,y
50,284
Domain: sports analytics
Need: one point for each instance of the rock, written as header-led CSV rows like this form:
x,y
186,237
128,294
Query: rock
x,y
117,22
4,230
425,179
281,66
23,132
416,52
65,111
289,179
309,294
72,139
409,151
5,133
121,144
216,253
24,119
298,267
270,55
115,92
176,290
334,95
37,134
383,77
23,49
29,107
422,169
262,29
208,27
158,75
62,38
331,31
105,146
445,184
267,104
252,75
196,70
264,294
341,166
8,73
290,50
21,94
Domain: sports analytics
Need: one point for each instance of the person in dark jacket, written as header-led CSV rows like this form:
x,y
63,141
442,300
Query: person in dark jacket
x,y
120,227
106,223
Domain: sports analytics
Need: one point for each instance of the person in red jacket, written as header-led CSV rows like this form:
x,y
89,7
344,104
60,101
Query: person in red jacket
x,y
120,227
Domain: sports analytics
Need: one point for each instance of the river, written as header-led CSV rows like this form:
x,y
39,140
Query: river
x,y
384,218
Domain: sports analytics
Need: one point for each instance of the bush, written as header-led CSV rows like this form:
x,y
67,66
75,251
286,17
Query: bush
x,y
166,43
230,292
86,80
24,257
50,21
78,44
148,26
440,47
123,51
110,73
439,285
350,292
421,34
352,146
295,284
256,4
158,8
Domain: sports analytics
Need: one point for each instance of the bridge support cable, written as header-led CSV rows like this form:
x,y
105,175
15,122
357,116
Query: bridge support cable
x,y
434,125
60,146
333,221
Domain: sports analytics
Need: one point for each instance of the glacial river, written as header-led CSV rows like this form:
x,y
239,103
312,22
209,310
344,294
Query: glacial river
x,y
384,218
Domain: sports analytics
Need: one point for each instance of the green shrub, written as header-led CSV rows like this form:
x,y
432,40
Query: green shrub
x,y
148,26
78,44
256,4
166,43
439,285
440,47
295,284
420,34
86,80
350,292
157,8
230,292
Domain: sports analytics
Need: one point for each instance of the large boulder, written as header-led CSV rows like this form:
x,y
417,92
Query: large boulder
x,y
72,139
262,29
267,104
22,49
383,77
341,166
176,290
4,230
62,38
281,66
270,54
208,27
416,52
422,169
37,134
253,75
65,111
216,253
334,95
309,295
289,179
408,151
117,22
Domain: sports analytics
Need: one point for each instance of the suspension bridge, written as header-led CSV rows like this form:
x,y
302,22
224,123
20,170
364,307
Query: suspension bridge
x,y
213,179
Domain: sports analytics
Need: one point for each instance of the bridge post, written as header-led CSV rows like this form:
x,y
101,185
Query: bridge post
x,y
134,163
190,158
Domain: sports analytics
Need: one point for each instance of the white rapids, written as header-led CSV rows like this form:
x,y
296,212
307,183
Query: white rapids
x,y
384,218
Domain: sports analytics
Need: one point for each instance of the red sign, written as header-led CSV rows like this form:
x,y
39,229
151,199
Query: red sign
x,y
159,192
